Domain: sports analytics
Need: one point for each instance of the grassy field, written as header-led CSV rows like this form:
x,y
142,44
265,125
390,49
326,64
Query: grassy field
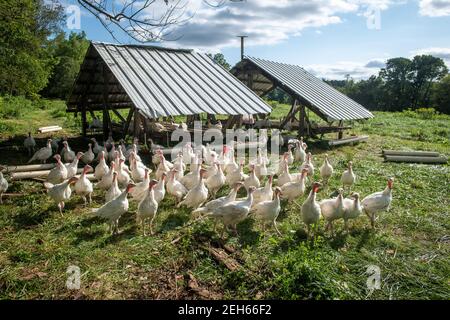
x,y
411,244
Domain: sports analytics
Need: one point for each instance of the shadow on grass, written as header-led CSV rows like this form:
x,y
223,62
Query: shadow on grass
x,y
247,235
124,234
27,218
172,221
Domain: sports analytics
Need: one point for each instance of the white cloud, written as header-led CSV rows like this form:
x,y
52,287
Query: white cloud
x,y
443,53
266,22
434,8
339,70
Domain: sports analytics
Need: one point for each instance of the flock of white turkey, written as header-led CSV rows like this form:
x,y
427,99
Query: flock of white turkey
x,y
209,171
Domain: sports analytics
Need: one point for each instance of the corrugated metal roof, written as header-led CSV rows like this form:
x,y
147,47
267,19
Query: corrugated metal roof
x,y
163,82
331,103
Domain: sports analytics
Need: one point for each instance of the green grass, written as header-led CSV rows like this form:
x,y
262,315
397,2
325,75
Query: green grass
x,y
410,245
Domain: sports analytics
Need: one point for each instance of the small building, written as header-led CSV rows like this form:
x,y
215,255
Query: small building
x,y
306,90
154,82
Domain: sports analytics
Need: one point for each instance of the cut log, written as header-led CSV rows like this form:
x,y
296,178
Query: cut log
x,y
411,153
40,174
49,129
29,167
411,159
347,140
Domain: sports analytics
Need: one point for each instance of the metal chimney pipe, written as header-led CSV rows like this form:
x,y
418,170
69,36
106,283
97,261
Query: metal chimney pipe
x,y
242,46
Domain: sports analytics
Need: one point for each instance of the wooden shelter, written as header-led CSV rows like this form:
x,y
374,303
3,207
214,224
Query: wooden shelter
x,y
155,83
307,91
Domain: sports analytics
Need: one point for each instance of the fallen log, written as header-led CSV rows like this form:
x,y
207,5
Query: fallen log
x,y
29,167
411,153
347,140
49,129
411,159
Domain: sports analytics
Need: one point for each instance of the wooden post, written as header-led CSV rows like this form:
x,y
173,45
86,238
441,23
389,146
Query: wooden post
x,y
107,125
83,119
301,129
341,132
136,120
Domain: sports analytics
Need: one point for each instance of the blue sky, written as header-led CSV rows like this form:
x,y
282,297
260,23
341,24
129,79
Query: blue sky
x,y
328,37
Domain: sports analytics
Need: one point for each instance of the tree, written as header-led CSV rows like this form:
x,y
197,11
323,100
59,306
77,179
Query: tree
x,y
69,54
220,59
426,70
441,95
25,28
397,75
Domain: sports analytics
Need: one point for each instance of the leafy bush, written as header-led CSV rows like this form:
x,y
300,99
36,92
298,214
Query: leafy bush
x,y
409,113
13,107
426,113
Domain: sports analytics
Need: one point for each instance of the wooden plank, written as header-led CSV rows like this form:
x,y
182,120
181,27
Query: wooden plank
x,y
411,153
347,140
290,114
127,122
301,130
412,159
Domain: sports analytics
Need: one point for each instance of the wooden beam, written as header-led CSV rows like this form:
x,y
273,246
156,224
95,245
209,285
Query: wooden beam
x,y
127,122
118,114
290,114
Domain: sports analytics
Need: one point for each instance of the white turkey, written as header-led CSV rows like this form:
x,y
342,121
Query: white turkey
x,y
175,188
123,174
197,195
332,209
294,189
137,171
83,187
147,208
326,170
213,204
269,210
299,152
73,166
114,209
378,202
59,173
60,192
29,144
106,181
191,179
162,167
235,176
311,209
67,154
284,177
101,168
290,156
352,208
43,154
160,189
3,186
348,177
308,164
114,190
263,193
140,189
252,180
88,156
96,147
233,212
216,181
